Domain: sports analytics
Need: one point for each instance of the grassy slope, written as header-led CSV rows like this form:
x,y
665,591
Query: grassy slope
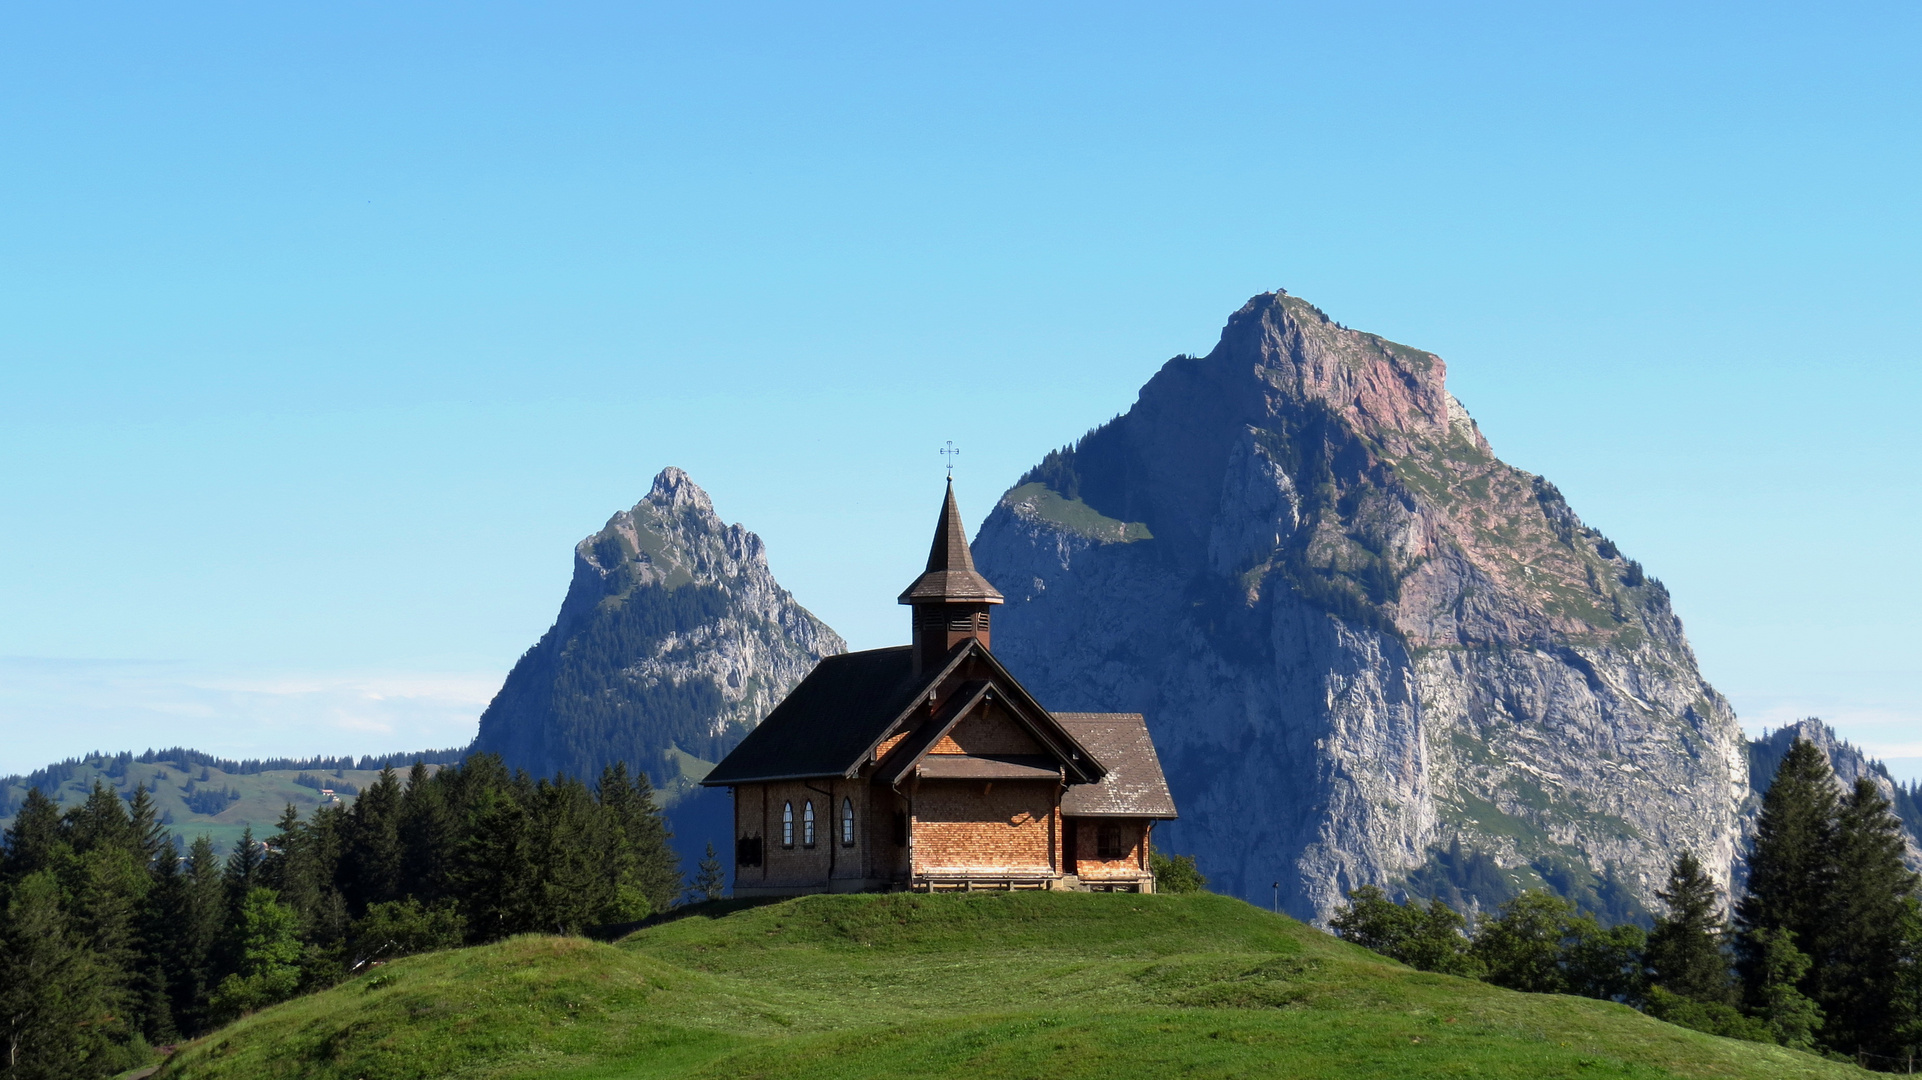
x,y
958,985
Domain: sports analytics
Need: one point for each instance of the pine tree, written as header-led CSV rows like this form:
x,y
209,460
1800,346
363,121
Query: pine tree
x,y
711,881
1792,865
1685,953
655,868
425,836
371,855
1864,954
36,839
55,1002
198,914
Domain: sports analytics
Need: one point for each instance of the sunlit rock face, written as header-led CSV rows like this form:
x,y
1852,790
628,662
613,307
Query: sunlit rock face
x,y
674,640
1369,650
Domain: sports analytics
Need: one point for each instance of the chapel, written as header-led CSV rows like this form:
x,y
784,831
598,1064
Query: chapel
x,y
929,767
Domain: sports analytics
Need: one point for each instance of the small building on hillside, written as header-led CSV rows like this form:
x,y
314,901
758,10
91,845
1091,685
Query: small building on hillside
x,y
929,767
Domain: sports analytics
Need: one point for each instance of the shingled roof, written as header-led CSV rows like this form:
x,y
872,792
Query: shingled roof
x,y
1134,786
828,722
837,717
950,574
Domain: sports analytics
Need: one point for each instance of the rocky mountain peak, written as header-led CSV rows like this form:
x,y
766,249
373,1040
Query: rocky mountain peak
x,y
1381,388
674,489
1370,650
673,641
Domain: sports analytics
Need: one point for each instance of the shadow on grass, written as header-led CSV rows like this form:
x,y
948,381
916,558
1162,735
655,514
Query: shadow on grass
x,y
705,909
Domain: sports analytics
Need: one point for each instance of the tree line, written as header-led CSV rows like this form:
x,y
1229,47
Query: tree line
x,y
113,941
1822,952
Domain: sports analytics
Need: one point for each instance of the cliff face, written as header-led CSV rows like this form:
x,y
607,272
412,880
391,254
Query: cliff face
x,y
673,642
1369,650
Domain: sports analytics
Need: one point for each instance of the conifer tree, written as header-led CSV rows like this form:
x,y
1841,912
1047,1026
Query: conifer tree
x,y
1686,951
35,840
425,836
711,881
1792,865
372,855
1866,949
56,1014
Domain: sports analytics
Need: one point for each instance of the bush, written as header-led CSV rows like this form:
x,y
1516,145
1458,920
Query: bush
x,y
1175,873
1715,1018
404,927
1429,937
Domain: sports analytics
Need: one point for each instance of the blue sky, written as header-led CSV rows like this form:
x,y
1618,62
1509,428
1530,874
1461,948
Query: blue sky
x,y
324,333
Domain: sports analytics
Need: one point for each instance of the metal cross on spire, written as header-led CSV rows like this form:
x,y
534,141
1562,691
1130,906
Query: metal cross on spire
x,y
950,452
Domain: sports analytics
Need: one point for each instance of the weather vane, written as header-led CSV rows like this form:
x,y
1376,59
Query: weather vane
x,y
950,452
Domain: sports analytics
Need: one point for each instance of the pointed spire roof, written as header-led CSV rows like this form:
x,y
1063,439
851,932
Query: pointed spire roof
x,y
950,575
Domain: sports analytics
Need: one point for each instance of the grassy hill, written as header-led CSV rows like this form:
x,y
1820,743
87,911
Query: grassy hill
x,y
189,796
959,985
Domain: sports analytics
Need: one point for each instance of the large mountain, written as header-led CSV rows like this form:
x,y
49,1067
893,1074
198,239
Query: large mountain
x,y
674,640
1369,650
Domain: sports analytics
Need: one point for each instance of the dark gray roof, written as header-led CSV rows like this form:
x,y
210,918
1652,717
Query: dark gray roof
x,y
950,574
827,725
1134,786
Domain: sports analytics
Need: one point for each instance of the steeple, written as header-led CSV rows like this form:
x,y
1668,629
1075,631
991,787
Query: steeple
x,y
950,599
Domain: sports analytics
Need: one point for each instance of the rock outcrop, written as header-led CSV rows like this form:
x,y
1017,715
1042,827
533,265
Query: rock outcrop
x,y
673,642
1369,650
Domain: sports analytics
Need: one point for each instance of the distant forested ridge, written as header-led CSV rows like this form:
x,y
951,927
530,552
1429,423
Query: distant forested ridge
x,y
112,940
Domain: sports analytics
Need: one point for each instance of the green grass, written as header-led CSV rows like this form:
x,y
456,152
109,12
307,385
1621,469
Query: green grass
x,y
960,985
1076,516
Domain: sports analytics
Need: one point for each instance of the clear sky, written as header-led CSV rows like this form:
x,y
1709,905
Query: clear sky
x,y
326,330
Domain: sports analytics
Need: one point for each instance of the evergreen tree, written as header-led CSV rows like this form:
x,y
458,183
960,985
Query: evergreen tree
x,y
36,839
425,836
198,915
242,872
371,857
56,1012
711,881
1791,865
1866,949
649,862
1686,954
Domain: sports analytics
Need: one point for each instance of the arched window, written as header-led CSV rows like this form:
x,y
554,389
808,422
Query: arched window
x,y
787,824
807,824
847,822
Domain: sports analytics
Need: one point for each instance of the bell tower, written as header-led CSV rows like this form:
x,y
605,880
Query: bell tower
x,y
950,600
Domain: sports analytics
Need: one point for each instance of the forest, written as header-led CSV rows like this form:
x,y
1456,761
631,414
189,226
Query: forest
x,y
1821,952
113,941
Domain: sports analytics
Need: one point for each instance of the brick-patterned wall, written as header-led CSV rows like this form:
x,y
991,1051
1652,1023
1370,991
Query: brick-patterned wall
x,y
1010,828
1087,845
987,730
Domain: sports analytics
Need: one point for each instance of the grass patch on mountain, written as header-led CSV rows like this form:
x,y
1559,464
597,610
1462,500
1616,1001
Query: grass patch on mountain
x,y
1057,985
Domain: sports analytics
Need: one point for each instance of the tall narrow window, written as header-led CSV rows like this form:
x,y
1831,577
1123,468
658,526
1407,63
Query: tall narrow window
x,y
847,822
787,824
1108,841
807,824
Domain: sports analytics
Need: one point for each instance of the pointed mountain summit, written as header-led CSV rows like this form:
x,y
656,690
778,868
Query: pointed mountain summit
x,y
673,642
1370,651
